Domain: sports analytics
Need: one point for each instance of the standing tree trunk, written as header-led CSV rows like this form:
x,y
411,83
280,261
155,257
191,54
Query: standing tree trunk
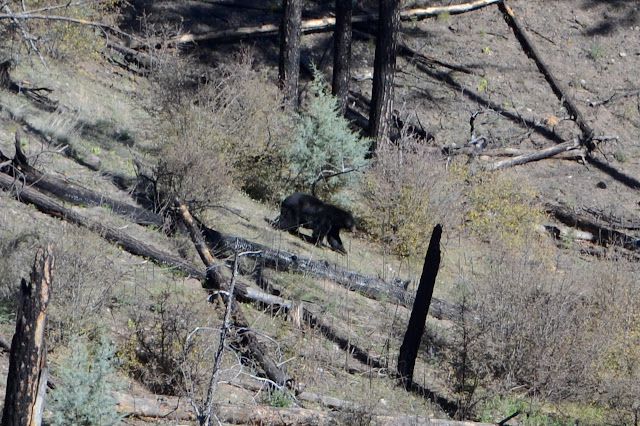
x,y
342,52
27,378
289,63
383,71
415,329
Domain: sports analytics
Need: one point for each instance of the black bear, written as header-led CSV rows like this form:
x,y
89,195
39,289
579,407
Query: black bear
x,y
307,211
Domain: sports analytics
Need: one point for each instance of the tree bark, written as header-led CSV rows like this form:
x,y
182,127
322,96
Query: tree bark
x,y
27,377
415,328
342,52
383,72
289,63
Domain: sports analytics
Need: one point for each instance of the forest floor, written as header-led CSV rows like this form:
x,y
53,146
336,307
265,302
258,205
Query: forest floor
x,y
591,46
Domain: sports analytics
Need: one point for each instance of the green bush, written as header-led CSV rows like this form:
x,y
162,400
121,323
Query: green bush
x,y
325,150
501,207
85,390
404,194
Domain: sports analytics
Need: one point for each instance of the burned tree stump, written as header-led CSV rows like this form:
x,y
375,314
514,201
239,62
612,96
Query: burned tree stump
x,y
27,378
415,329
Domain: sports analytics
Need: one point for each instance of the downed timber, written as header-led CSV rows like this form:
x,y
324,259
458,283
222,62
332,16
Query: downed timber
x,y
76,194
326,23
393,291
614,97
245,336
33,93
411,54
137,57
174,408
560,232
454,9
603,235
532,52
47,205
537,155
155,406
487,154
134,246
280,260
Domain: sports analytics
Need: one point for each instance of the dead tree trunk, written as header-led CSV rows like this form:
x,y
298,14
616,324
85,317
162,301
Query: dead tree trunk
x,y
342,52
531,51
289,63
245,336
383,72
537,155
603,235
76,194
415,329
27,378
47,205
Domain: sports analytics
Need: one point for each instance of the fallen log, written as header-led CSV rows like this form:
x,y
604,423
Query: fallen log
x,y
47,205
137,57
173,408
245,336
411,54
614,97
537,155
134,246
560,232
392,291
34,93
73,193
532,52
375,288
603,235
487,154
326,23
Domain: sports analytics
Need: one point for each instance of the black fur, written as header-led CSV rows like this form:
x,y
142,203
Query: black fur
x,y
326,220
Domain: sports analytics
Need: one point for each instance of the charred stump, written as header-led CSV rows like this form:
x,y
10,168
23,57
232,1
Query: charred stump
x,y
415,329
27,378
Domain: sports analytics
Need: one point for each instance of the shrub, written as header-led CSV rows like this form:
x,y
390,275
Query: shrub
x,y
190,165
169,343
85,390
84,280
226,130
404,194
501,207
325,150
557,335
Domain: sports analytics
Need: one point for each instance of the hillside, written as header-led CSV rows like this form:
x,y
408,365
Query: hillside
x,y
535,308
